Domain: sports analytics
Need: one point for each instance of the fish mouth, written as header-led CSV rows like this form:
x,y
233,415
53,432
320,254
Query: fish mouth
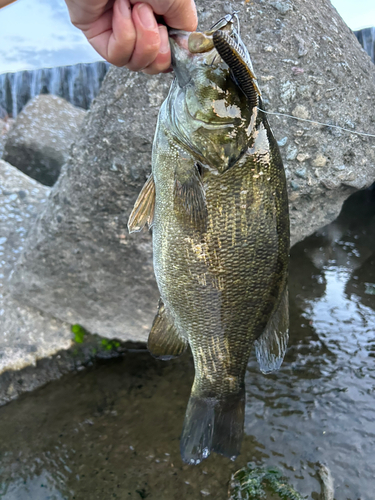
x,y
198,42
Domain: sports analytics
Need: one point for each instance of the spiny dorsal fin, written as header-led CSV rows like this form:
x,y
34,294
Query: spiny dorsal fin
x,y
189,194
164,342
271,346
143,211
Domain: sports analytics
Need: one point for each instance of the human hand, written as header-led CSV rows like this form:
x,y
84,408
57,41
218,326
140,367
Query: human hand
x,y
126,32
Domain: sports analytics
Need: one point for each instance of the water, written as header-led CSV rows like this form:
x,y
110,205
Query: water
x,y
113,431
78,84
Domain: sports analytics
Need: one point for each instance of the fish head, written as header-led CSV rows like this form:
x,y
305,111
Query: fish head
x,y
210,112
194,51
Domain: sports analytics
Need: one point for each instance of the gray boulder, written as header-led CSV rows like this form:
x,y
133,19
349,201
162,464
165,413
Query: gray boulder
x,y
81,265
5,125
26,333
39,141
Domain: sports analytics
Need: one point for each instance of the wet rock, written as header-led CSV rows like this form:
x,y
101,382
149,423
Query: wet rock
x,y
39,141
81,265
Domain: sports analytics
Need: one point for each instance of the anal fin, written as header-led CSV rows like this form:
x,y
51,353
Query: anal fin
x,y
271,346
144,208
164,341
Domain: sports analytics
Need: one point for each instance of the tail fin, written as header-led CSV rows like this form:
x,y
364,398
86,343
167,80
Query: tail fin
x,y
213,424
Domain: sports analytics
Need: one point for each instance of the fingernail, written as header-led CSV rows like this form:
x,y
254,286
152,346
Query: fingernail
x,y
164,41
125,9
146,16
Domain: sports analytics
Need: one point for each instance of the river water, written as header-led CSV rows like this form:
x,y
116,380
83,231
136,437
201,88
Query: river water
x,y
113,431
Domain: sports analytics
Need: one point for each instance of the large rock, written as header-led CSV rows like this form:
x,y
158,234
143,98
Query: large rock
x,y
5,125
39,141
26,333
81,265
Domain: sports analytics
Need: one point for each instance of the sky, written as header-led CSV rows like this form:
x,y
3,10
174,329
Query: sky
x,y
38,33
357,14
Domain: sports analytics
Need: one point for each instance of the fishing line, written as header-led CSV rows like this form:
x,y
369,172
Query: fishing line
x,y
318,123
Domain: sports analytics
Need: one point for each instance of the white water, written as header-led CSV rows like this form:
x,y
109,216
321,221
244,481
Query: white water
x,y
78,84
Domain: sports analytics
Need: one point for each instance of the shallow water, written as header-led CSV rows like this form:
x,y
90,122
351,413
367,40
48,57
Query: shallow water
x,y
113,431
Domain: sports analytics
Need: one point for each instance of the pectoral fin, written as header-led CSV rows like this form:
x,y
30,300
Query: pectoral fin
x,y
189,194
271,346
143,211
164,341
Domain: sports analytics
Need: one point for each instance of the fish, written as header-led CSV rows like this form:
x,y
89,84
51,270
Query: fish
x,y
216,201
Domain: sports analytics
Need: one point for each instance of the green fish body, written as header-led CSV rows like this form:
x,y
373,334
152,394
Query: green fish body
x,y
217,203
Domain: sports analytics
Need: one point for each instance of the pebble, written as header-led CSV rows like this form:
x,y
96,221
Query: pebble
x,y
205,493
287,92
282,6
292,153
301,172
319,161
301,157
282,141
301,112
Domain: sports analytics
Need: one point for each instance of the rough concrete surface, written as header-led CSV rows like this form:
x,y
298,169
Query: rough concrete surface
x,y
39,140
5,125
79,262
34,347
26,333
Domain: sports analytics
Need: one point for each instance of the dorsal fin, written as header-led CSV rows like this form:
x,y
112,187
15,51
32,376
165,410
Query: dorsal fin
x,y
164,341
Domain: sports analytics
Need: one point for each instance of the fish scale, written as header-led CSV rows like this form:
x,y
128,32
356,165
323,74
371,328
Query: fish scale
x,y
217,194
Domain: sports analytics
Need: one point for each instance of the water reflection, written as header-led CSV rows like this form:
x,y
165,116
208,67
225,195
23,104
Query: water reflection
x,y
319,407
113,432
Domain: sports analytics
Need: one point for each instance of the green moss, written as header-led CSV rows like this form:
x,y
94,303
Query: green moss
x,y
256,483
79,333
110,344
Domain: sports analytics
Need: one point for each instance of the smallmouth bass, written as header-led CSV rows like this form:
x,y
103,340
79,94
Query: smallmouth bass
x,y
217,202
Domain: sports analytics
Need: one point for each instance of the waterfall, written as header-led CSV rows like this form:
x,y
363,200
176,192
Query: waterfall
x,y
78,84
366,38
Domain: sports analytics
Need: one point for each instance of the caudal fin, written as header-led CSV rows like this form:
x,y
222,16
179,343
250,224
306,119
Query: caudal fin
x,y
213,424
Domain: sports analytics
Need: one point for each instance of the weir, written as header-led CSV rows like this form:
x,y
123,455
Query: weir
x,y
366,38
79,84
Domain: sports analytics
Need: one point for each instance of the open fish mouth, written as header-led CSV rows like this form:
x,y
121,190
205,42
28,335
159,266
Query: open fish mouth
x,y
198,42
221,43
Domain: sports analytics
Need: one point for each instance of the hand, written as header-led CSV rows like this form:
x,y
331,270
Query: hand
x,y
126,33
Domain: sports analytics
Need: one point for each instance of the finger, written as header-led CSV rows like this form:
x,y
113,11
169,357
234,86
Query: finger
x,y
85,13
113,35
147,39
178,14
162,62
